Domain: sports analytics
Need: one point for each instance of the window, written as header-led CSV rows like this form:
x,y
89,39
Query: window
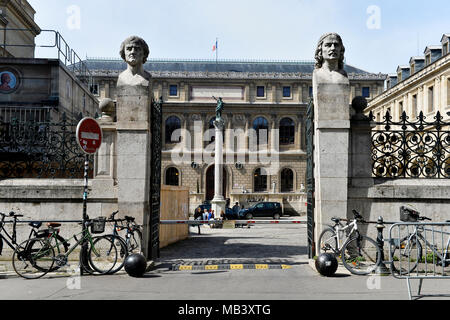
x,y
428,59
173,90
260,181
414,106
286,92
311,92
172,177
366,92
260,91
94,89
400,109
430,99
261,126
287,180
287,131
212,130
173,123
448,92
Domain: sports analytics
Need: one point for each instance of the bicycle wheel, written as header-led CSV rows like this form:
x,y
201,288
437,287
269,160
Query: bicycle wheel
x,y
59,244
135,241
103,255
361,255
121,254
406,255
33,258
328,242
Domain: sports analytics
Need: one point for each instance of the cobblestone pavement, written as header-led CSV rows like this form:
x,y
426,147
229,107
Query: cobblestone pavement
x,y
259,244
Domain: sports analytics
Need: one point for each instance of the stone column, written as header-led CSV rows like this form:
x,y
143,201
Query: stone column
x,y
331,91
218,204
134,154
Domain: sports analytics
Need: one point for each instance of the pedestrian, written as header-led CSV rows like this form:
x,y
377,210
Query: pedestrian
x,y
198,216
205,215
235,210
211,217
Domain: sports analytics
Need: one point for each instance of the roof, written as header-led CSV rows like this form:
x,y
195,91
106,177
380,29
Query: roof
x,y
432,48
237,66
421,58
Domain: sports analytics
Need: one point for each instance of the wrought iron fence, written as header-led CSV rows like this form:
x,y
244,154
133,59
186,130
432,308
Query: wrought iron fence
x,y
411,149
32,149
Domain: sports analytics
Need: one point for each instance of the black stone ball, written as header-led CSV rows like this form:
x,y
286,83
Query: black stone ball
x,y
327,264
135,265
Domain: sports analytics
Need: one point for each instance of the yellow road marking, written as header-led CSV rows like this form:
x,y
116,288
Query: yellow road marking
x,y
236,266
212,267
185,268
283,266
261,266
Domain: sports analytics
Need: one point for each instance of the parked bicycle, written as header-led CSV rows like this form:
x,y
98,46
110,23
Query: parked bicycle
x,y
128,244
36,257
11,239
359,254
408,251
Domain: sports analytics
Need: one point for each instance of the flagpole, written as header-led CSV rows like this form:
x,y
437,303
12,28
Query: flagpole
x,y
217,51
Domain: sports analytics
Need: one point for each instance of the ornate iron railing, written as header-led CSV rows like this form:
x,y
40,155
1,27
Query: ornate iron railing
x,y
30,149
411,149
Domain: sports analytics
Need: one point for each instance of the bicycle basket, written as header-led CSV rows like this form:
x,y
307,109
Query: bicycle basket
x,y
408,214
98,225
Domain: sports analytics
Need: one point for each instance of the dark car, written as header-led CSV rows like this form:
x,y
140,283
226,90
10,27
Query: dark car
x,y
262,209
228,212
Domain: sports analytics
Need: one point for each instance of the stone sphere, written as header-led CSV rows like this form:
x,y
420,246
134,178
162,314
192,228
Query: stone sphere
x,y
326,264
135,265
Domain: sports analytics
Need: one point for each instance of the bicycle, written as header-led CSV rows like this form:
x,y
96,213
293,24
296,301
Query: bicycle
x,y
407,251
359,254
128,244
11,239
36,257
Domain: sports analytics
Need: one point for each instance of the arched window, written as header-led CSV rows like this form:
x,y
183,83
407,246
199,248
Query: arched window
x,y
172,123
287,180
172,177
261,126
212,130
260,181
287,131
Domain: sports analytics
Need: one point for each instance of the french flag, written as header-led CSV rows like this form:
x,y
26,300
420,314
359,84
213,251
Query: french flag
x,y
215,47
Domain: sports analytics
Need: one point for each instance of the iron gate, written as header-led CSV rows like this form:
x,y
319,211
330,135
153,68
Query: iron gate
x,y
310,187
155,188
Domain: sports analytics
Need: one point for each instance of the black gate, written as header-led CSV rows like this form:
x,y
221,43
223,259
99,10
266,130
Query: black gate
x,y
155,188
310,177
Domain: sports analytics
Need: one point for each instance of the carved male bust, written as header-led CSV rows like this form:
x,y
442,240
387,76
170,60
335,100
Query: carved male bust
x,y
330,60
134,51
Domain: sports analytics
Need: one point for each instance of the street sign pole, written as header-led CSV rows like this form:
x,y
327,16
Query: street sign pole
x,y
89,138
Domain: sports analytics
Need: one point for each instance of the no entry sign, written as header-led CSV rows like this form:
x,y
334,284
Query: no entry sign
x,y
89,135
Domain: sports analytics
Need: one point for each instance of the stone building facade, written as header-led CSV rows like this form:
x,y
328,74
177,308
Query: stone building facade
x,y
421,86
271,96
15,15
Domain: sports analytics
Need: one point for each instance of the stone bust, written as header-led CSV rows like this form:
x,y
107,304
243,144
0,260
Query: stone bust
x,y
330,59
134,51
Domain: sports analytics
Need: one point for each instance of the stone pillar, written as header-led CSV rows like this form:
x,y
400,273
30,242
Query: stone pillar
x,y
218,204
134,154
331,91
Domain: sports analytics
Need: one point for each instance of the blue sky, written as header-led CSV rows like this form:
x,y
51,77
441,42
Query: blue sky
x,y
376,41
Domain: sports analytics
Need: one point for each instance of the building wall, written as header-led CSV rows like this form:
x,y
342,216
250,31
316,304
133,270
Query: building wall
x,y
17,14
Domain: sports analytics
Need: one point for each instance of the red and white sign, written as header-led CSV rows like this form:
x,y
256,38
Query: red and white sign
x,y
89,135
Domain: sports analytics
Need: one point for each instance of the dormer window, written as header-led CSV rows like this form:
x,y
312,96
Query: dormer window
x,y
413,68
399,76
445,48
428,59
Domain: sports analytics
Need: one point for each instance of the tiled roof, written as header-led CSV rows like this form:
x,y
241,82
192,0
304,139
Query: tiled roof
x,y
158,65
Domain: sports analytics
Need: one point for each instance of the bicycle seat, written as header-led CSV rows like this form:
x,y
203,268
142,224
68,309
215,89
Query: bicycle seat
x,y
336,220
53,225
129,219
36,225
14,215
448,221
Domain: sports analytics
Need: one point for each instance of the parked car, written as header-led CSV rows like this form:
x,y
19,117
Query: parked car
x,y
228,212
262,209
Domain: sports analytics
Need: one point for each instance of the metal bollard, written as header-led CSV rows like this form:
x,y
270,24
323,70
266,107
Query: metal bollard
x,y
381,269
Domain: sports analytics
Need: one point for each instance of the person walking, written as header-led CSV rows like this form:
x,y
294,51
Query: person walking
x,y
198,216
235,210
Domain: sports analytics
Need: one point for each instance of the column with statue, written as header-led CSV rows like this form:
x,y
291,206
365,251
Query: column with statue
x,y
218,204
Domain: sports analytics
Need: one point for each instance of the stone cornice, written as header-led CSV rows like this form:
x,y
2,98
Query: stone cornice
x,y
236,75
17,9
